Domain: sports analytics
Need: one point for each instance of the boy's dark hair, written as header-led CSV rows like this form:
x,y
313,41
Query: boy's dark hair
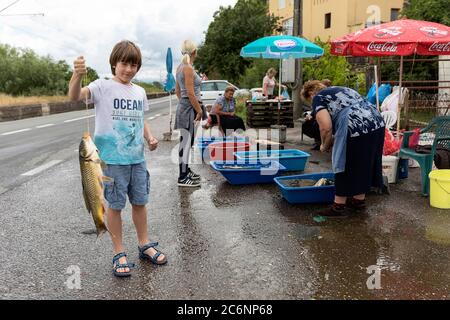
x,y
127,52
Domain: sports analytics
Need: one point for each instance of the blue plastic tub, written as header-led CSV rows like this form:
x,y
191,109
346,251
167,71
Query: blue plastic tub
x,y
203,143
324,194
293,160
248,173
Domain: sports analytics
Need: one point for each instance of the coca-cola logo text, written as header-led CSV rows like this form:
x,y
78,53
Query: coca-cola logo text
x,y
440,47
382,47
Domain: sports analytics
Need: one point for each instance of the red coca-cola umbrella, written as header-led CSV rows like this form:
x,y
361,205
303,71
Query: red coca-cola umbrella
x,y
398,38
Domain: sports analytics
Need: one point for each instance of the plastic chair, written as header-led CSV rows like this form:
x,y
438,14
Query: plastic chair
x,y
441,126
390,118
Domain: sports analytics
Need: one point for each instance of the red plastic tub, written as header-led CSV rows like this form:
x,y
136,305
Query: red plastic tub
x,y
223,151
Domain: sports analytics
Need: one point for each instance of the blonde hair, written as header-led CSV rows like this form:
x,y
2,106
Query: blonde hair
x,y
271,71
310,88
187,49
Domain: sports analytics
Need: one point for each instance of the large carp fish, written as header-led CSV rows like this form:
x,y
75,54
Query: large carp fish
x,y
92,180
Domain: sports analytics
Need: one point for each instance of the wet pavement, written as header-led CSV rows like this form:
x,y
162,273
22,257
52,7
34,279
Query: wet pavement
x,y
224,241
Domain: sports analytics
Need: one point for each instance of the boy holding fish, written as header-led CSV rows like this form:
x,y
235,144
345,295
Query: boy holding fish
x,y
120,135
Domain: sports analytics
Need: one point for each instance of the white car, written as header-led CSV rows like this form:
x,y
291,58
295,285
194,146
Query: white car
x,y
212,89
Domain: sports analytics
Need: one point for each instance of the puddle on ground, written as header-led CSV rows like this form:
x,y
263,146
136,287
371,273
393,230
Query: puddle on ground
x,y
306,232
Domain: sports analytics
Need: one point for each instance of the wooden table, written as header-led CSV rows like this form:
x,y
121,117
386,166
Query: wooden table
x,y
263,114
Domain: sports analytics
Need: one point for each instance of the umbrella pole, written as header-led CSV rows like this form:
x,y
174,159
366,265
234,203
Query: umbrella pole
x,y
279,89
376,87
170,112
400,104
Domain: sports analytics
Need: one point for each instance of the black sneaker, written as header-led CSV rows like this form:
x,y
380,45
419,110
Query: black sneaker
x,y
188,182
193,176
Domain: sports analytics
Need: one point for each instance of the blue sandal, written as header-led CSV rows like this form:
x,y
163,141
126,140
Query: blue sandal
x,y
117,266
154,259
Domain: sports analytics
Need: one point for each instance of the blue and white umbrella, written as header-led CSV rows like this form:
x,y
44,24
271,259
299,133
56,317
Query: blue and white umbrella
x,y
281,47
170,82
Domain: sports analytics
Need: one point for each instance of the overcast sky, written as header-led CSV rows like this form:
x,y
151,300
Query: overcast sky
x,y
91,28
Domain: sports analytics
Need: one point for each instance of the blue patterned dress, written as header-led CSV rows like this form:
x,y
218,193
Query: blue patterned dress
x,y
352,115
358,130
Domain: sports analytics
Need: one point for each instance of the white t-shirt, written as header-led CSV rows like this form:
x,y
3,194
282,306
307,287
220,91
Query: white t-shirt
x,y
119,121
270,84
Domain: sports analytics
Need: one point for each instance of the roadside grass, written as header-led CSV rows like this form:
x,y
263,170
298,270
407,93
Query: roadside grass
x,y
7,100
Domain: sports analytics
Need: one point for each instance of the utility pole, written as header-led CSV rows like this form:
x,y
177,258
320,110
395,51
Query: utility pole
x,y
298,85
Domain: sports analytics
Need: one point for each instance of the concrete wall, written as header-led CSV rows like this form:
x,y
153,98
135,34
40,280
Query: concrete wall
x,y
346,15
285,13
11,113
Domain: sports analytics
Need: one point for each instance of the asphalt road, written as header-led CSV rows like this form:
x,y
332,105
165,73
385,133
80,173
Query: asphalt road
x,y
222,241
29,147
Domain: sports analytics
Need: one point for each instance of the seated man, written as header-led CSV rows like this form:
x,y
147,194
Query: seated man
x,y
225,113
311,128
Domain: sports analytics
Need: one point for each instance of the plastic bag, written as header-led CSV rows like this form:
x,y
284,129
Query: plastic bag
x,y
414,139
391,145
285,94
390,103
383,92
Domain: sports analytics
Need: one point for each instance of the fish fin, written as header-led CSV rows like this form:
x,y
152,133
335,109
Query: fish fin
x,y
103,165
103,228
107,179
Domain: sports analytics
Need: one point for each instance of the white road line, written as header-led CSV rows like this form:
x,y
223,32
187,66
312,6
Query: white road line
x,y
77,119
158,115
13,132
42,168
45,126
151,118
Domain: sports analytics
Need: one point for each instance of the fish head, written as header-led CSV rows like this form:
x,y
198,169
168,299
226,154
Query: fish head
x,y
87,149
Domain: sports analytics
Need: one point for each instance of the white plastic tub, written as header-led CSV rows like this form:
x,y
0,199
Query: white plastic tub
x,y
390,168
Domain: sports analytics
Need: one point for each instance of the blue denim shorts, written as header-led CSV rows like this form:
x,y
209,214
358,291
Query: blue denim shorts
x,y
132,180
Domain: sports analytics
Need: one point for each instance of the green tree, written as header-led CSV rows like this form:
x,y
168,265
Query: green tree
x,y
335,68
92,75
254,75
231,29
23,72
428,10
158,85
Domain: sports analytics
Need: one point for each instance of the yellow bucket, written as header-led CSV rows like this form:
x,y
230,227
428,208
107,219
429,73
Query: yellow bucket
x,y
440,189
